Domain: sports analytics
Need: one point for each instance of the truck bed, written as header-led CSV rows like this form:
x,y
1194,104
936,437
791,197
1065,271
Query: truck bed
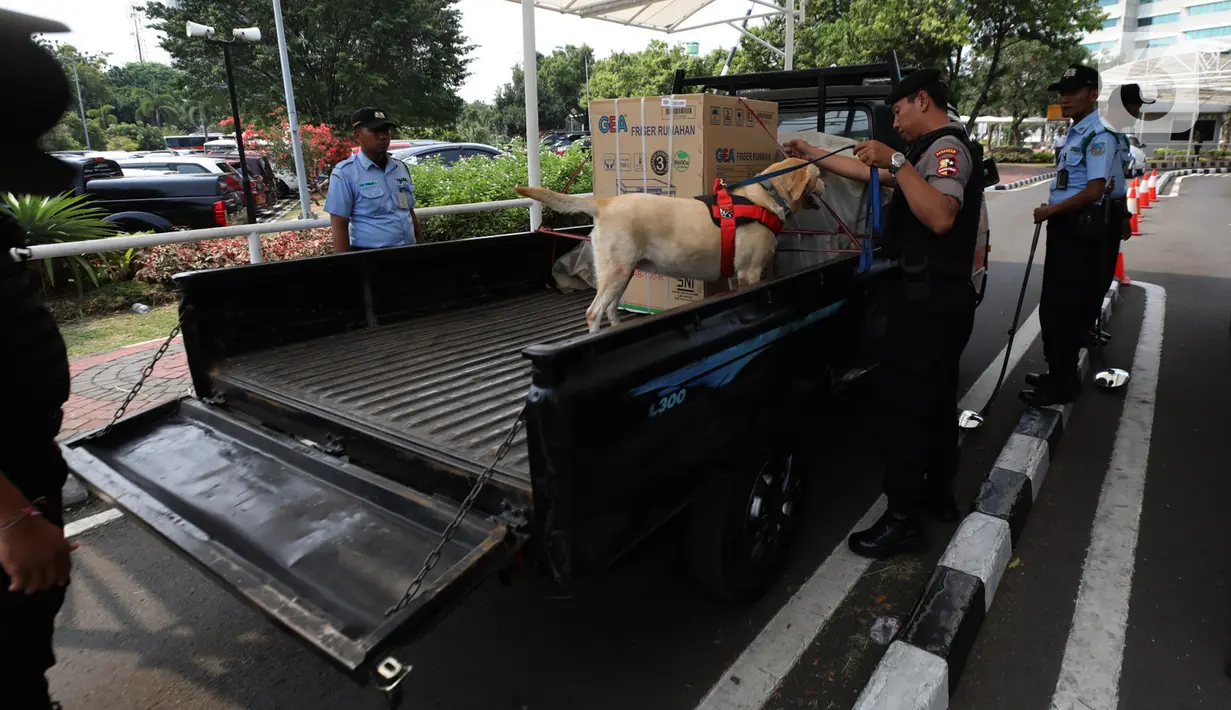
x,y
454,380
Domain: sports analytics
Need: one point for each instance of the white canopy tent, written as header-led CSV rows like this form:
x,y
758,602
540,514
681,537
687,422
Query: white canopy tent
x,y
1186,80
668,16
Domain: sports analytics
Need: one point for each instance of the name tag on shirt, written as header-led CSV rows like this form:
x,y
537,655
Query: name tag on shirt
x,y
403,202
368,183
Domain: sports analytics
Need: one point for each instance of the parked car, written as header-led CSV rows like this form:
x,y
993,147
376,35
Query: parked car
x,y
158,202
447,153
562,146
263,179
177,164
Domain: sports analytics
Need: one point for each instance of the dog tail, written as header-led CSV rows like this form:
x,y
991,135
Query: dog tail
x,y
564,204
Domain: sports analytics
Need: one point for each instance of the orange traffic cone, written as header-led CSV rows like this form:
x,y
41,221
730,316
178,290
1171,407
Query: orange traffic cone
x,y
1143,198
1132,208
1153,185
1120,275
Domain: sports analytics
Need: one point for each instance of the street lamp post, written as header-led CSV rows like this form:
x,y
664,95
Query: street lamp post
x,y
81,106
248,35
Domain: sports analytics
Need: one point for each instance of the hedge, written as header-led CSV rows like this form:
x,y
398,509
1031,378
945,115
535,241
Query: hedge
x,y
1022,155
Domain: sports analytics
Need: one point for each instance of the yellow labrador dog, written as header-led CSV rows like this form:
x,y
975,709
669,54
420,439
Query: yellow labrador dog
x,y
675,236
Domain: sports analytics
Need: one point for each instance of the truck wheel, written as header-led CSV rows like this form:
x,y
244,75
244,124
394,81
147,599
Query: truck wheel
x,y
740,532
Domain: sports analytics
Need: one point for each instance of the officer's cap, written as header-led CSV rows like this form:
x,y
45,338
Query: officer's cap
x,y
929,79
1131,94
1076,77
369,117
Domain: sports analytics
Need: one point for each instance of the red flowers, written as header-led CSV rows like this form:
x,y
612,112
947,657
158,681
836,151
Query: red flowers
x,y
160,263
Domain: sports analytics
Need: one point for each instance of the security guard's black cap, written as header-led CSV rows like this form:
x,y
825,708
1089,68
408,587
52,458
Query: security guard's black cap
x,y
1131,94
1076,77
920,79
368,117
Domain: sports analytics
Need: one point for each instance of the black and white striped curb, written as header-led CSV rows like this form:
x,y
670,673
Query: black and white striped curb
x,y
1025,181
1165,179
278,212
922,667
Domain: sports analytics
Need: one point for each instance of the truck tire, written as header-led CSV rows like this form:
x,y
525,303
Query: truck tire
x,y
739,533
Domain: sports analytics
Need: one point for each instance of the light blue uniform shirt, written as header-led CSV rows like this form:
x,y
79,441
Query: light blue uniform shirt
x,y
1118,167
1099,154
377,202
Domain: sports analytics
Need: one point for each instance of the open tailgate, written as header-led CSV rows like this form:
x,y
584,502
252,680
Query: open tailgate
x,y
320,546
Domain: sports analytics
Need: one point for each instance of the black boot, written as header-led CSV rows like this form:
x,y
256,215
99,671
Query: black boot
x,y
1037,379
940,505
1052,391
893,534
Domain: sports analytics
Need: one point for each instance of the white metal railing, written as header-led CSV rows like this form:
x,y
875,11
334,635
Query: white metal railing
x,y
252,231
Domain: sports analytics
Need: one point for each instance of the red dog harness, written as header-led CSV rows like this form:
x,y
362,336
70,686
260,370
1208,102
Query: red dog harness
x,y
730,211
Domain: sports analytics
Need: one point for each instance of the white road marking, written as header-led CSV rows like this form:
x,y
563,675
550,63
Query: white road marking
x,y
1175,187
79,526
1023,187
779,646
1090,672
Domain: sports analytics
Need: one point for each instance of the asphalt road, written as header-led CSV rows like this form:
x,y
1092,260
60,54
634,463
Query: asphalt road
x,y
1175,642
142,629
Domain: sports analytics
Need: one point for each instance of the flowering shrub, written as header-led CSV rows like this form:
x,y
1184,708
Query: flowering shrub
x,y
160,263
323,146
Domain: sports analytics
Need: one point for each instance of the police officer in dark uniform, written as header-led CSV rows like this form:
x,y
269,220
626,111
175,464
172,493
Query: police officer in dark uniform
x,y
34,556
1076,216
932,231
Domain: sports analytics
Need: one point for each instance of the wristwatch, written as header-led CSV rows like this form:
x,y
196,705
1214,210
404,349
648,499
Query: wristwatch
x,y
896,163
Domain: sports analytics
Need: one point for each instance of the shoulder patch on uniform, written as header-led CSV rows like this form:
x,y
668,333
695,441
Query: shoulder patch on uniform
x,y
946,165
1097,148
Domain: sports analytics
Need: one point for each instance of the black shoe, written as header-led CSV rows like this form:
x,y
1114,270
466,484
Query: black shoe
x,y
1037,379
941,506
1095,339
1049,392
893,534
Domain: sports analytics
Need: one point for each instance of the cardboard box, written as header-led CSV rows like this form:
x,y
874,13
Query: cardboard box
x,y
676,146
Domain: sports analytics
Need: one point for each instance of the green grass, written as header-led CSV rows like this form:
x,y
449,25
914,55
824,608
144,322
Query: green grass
x,y
89,336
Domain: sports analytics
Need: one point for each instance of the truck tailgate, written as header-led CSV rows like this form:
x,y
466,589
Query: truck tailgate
x,y
322,547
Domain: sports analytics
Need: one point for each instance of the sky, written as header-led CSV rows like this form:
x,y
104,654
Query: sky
x,y
494,26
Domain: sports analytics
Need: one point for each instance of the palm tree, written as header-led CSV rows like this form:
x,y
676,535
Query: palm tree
x,y
199,113
105,115
157,105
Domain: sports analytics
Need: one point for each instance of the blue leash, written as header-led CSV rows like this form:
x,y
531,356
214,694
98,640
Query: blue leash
x,y
873,214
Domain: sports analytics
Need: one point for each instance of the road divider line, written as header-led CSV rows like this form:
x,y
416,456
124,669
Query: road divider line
x,y
77,527
1094,654
758,671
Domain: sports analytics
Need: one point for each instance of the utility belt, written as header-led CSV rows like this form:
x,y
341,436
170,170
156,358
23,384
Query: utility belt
x,y
924,281
1090,222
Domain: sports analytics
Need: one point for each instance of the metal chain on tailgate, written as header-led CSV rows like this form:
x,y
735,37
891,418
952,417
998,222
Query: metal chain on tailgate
x,y
145,375
467,503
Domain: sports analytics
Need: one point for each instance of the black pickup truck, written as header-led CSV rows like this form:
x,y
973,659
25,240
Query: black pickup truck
x,y
346,406
157,203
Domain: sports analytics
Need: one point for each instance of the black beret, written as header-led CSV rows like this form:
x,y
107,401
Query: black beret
x,y
914,81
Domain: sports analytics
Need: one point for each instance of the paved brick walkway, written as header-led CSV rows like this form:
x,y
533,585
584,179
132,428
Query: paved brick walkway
x,y
100,383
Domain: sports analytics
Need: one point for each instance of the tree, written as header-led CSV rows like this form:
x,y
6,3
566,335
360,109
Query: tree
x,y
408,57
105,115
562,84
1022,91
479,123
649,72
133,81
134,136
1001,24
323,145
924,34
96,87
157,106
